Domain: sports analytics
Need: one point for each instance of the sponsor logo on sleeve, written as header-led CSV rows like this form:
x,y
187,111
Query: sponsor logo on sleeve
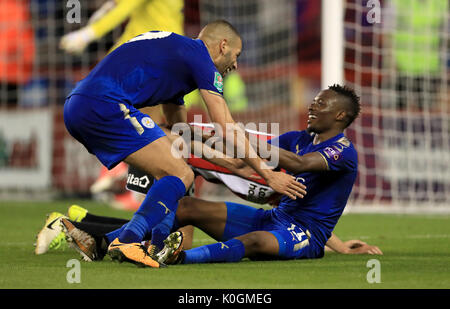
x,y
332,152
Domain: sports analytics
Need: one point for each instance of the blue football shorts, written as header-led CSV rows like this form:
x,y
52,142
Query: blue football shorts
x,y
110,131
294,240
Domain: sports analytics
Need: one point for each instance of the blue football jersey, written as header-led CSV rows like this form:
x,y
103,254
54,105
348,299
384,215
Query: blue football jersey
x,y
328,191
153,68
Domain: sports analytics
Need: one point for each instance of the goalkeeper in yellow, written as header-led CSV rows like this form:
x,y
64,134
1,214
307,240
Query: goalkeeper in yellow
x,y
145,15
142,16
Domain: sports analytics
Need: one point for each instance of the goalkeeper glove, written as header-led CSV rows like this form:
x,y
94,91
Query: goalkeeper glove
x,y
76,42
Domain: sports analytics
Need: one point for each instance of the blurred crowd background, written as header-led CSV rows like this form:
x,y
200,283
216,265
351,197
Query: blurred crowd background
x,y
399,64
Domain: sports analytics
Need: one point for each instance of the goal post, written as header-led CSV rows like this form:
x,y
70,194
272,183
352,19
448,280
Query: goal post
x,y
332,41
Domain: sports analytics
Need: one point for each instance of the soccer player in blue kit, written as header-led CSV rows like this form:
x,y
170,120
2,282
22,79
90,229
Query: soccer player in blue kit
x,y
322,158
102,113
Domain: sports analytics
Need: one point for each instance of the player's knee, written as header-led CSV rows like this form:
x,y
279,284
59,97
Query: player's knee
x,y
182,171
187,177
253,243
185,210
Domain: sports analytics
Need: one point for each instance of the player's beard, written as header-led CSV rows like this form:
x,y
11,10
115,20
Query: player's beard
x,y
310,130
227,64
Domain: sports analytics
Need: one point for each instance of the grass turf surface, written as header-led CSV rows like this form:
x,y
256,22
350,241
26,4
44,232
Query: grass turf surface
x,y
416,255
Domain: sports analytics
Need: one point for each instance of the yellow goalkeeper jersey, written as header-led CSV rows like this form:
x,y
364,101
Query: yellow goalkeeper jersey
x,y
143,15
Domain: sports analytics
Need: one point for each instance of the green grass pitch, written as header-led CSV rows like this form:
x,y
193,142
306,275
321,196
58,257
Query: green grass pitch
x,y
416,255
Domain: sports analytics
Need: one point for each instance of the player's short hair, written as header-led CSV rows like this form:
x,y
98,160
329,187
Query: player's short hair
x,y
354,105
227,26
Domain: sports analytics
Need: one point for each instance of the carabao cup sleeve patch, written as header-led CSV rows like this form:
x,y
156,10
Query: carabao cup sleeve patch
x,y
218,81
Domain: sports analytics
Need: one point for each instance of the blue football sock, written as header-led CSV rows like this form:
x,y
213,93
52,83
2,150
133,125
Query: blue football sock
x,y
162,230
232,250
175,224
161,199
135,229
114,234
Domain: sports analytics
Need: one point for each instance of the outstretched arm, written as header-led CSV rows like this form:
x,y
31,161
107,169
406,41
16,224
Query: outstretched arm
x,y
354,246
310,162
220,115
105,19
234,165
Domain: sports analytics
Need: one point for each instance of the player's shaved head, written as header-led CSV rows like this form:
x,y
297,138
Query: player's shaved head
x,y
224,45
219,30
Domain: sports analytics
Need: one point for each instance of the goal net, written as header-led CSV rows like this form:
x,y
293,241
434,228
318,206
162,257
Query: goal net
x,y
396,57
267,65
36,152
37,155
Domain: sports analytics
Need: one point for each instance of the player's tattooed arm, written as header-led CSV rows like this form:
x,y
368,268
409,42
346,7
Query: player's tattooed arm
x,y
226,128
221,116
234,165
